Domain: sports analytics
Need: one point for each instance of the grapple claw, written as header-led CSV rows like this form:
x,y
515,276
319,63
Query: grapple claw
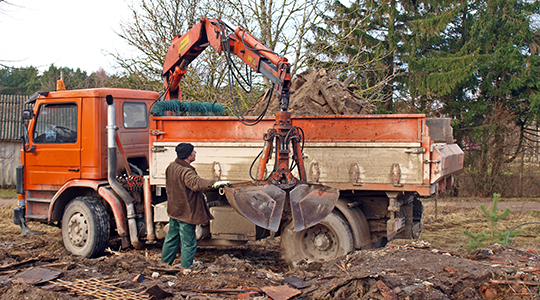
x,y
262,204
311,203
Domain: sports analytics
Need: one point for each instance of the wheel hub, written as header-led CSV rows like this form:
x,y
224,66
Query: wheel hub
x,y
78,229
321,242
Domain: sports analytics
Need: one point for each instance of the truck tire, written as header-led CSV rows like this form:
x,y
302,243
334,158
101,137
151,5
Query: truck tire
x,y
85,227
328,239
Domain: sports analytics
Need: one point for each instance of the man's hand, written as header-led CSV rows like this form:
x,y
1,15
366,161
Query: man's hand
x,y
218,184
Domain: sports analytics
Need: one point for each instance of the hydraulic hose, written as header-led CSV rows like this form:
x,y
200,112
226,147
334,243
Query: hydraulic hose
x,y
508,238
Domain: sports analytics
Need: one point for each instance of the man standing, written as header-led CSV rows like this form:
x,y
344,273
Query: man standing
x,y
186,205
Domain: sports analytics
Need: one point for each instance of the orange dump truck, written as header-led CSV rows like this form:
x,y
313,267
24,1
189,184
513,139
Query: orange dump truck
x,y
94,161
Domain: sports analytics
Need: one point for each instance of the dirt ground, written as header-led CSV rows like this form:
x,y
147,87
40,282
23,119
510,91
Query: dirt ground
x,y
404,269
434,267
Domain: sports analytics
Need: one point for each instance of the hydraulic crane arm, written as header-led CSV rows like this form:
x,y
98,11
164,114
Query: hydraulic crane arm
x,y
212,32
262,202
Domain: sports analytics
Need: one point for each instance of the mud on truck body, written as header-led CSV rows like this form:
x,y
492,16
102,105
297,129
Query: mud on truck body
x,y
93,162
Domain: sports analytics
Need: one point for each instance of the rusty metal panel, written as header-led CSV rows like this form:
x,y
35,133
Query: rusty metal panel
x,y
37,209
230,225
370,152
282,292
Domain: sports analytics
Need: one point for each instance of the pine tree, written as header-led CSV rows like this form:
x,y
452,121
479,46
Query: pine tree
x,y
483,69
358,43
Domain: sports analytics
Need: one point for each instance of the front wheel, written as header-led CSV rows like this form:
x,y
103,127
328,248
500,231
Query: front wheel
x,y
326,240
85,227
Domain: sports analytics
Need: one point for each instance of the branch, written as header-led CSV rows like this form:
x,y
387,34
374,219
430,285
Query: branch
x,y
518,148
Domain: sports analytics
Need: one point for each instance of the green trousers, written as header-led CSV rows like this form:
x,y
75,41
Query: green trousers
x,y
179,232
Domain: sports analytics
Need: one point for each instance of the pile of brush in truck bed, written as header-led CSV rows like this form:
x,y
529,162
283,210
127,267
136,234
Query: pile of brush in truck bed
x,y
316,92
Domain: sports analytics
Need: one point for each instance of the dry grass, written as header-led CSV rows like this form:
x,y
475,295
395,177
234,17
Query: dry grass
x,y
8,227
446,231
8,194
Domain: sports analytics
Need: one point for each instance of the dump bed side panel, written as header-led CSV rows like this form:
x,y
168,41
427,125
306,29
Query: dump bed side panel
x,y
368,152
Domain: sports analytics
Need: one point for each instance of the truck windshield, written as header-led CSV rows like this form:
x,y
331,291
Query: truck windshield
x,y
56,123
135,115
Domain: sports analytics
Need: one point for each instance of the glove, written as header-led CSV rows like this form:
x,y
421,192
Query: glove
x,y
220,184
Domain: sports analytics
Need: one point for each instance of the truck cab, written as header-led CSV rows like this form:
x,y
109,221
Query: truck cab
x,y
65,149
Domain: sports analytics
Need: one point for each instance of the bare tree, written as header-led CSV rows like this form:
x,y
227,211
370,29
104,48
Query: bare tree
x,y
282,25
149,33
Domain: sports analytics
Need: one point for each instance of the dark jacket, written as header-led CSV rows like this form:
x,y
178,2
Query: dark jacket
x,y
186,202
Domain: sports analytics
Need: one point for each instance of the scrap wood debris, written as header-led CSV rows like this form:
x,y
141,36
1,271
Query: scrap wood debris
x,y
386,291
316,92
535,283
348,280
101,289
111,251
282,292
29,260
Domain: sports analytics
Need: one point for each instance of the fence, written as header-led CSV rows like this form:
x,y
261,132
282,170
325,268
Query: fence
x,y
10,157
11,107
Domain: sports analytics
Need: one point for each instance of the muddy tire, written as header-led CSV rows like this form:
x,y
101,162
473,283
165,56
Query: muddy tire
x,y
85,227
328,239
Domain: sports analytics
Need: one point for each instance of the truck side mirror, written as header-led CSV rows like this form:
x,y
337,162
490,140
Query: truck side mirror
x,y
27,114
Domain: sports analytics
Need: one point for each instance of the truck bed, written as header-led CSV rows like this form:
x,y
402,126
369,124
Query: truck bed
x,y
361,152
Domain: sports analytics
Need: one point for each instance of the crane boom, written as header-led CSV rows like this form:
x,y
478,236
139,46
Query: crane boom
x,y
263,201
212,32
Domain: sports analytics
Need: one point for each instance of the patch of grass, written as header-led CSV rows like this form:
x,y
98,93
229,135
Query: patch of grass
x,y
478,199
8,227
446,232
8,194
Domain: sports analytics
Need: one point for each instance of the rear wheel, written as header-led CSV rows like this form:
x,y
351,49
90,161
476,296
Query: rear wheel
x,y
326,240
85,227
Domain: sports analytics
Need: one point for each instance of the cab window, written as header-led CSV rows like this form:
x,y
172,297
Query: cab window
x,y
56,124
134,115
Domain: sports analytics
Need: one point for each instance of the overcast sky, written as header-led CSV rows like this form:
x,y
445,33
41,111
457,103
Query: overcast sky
x,y
73,34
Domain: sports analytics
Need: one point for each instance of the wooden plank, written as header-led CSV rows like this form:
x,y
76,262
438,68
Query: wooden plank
x,y
19,263
282,292
386,291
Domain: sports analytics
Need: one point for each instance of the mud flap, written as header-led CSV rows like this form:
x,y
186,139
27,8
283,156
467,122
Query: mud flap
x,y
18,219
261,204
311,203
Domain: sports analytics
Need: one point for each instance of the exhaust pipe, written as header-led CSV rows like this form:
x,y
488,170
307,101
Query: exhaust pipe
x,y
150,235
117,188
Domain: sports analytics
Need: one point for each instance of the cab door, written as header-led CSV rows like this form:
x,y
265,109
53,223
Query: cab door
x,y
56,135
